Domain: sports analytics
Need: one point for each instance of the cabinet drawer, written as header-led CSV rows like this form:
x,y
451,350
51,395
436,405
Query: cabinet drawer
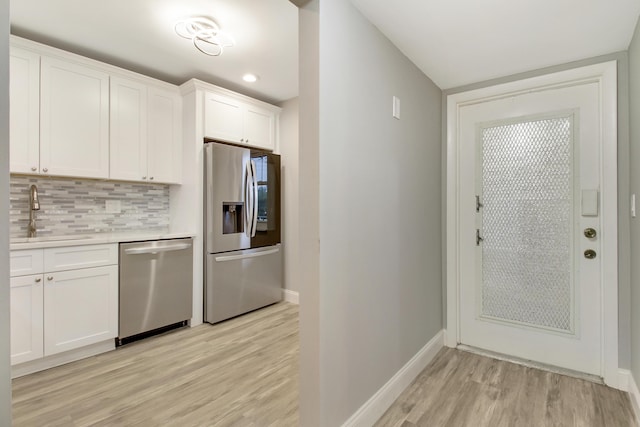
x,y
74,257
27,262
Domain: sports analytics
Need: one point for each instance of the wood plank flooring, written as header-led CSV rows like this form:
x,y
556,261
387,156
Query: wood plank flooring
x,y
464,389
243,372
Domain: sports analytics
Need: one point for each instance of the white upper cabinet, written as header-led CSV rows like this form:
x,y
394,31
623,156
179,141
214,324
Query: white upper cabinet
x,y
239,120
259,127
128,124
74,119
24,125
164,153
145,132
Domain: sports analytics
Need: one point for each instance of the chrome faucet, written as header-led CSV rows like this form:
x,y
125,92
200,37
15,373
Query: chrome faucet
x,y
34,205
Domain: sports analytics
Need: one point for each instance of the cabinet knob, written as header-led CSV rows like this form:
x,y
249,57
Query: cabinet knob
x,y
50,278
144,177
151,178
45,170
241,139
246,140
38,280
33,169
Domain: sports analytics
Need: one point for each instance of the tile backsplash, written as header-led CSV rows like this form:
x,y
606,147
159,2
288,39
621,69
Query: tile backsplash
x,y
78,206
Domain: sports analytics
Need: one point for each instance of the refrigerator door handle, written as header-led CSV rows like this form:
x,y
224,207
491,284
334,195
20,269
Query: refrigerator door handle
x,y
254,203
248,199
245,256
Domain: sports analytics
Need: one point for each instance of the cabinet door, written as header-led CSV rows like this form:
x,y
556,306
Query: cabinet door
x,y
164,155
128,130
26,318
259,127
223,118
24,100
80,308
74,113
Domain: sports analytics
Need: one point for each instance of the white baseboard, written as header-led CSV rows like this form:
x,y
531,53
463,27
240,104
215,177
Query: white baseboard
x,y
62,358
376,406
291,296
624,380
634,393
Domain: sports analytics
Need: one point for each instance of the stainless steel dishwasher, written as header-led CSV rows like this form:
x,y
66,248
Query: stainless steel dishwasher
x,y
156,287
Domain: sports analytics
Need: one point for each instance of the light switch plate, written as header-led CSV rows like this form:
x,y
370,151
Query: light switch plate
x,y
112,206
589,202
396,107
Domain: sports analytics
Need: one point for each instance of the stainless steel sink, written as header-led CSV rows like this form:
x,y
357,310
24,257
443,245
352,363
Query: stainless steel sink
x,y
48,239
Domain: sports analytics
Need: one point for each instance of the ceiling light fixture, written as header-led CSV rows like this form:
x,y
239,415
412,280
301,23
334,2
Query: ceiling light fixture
x,y
205,34
250,78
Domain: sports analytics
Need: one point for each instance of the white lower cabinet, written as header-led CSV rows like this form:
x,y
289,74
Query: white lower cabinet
x,y
80,308
71,303
26,318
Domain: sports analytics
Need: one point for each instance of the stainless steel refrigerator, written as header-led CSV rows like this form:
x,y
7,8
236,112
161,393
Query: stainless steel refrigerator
x,y
243,265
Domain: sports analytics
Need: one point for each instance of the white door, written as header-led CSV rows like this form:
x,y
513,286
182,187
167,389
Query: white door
x,y
531,223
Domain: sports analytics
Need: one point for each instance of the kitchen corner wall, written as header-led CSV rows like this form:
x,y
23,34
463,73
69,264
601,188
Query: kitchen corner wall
x,y
634,113
76,206
290,199
370,254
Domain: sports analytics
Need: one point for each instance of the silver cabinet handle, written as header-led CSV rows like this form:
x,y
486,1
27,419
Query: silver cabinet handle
x,y
38,280
50,278
155,250
45,170
33,169
144,177
151,178
245,256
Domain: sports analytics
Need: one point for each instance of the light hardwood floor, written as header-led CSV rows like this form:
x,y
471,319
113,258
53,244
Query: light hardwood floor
x,y
463,389
243,372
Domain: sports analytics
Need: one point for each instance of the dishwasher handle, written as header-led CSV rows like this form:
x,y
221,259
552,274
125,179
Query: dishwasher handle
x,y
157,249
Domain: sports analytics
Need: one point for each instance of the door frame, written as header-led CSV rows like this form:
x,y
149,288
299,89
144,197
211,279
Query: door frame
x,y
605,75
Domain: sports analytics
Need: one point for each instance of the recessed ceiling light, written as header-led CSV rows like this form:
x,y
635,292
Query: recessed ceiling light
x,y
250,78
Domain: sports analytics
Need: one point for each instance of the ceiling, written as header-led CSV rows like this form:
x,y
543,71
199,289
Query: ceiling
x,y
457,42
139,35
454,42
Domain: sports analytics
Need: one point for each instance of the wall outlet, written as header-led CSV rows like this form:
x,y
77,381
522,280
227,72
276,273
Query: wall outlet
x,y
112,206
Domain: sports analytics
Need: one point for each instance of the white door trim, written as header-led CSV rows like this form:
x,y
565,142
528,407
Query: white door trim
x,y
605,74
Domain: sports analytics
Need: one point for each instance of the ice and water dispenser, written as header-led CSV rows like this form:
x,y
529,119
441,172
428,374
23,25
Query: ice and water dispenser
x,y
232,217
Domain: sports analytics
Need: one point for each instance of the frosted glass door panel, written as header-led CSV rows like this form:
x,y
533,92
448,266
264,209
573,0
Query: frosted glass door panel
x,y
526,222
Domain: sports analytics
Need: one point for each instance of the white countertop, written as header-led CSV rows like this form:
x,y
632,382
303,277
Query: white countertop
x,y
16,244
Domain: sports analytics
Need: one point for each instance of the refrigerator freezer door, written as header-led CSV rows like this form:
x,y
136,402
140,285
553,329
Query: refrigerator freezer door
x,y
224,198
241,281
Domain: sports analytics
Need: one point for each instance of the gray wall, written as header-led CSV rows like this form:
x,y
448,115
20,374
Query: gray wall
x,y
634,109
288,142
379,287
624,252
309,99
5,382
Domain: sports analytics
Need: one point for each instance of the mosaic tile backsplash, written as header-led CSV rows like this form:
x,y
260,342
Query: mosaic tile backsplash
x,y
75,206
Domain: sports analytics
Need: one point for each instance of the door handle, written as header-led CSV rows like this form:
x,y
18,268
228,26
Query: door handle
x,y
589,254
155,250
245,256
590,233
